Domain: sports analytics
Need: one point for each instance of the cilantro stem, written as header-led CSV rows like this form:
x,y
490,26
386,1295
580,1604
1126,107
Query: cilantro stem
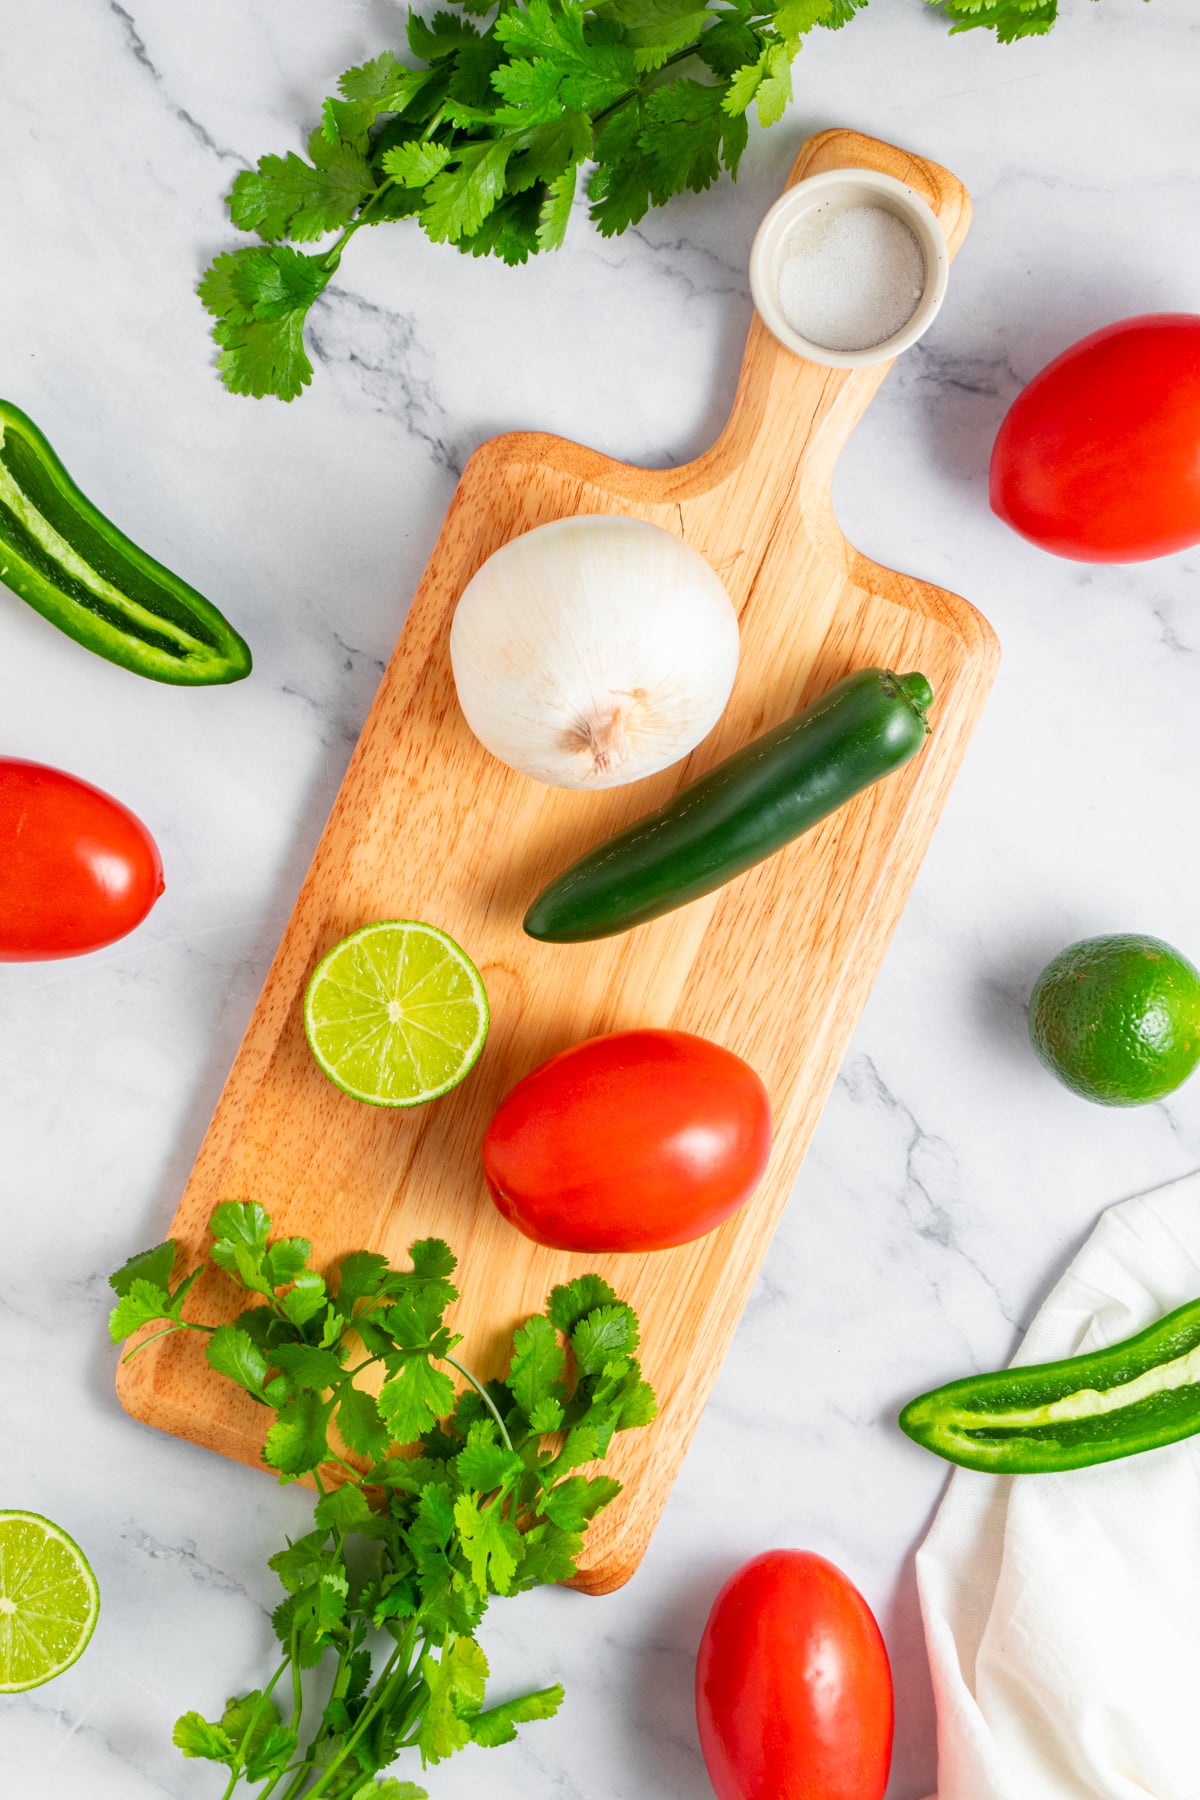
x,y
365,1718
483,1395
177,1325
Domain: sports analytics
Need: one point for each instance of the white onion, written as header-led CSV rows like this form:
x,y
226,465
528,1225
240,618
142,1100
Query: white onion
x,y
593,651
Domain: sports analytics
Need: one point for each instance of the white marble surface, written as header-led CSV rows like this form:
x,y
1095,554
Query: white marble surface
x,y
950,1178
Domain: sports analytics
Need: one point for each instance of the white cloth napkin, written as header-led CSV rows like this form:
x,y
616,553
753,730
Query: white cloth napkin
x,y
1062,1612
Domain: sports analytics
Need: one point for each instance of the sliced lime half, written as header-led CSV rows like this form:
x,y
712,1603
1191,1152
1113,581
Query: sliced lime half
x,y
49,1601
396,1014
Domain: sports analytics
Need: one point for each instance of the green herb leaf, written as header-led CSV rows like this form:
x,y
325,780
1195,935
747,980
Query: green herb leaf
x,y
288,197
572,1503
498,1725
432,1259
413,1400
307,1366
359,1422
1009,19
460,1676
251,1723
538,1362
491,1544
390,1789
195,1736
345,1509
233,1352
608,1332
152,1266
141,1304
363,1275
484,1464
285,1260
574,1300
305,1298
459,199
297,1443
414,164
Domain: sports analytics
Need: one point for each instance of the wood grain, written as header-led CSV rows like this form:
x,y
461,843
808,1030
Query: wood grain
x,y
428,825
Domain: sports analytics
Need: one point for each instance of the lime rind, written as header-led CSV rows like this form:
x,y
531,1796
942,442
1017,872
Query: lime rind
x,y
396,1014
1117,1019
49,1601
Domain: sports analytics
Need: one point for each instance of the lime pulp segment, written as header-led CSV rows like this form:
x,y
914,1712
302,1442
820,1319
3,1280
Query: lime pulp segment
x,y
49,1601
396,1014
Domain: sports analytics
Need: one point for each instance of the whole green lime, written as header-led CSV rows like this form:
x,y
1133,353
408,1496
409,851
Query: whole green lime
x,y
1117,1019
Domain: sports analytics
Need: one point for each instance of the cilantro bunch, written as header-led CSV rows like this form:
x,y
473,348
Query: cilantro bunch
x,y
483,140
406,1549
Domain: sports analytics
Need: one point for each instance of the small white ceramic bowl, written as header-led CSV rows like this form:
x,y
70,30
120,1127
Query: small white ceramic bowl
x,y
839,189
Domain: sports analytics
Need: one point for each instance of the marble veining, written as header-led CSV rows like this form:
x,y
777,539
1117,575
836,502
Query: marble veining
x,y
950,1179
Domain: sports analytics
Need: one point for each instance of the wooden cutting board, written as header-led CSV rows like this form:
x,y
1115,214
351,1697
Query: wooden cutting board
x,y
428,825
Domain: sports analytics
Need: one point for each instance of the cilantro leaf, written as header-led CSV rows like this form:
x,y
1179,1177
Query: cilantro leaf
x,y
195,1736
460,1675
458,200
638,1405
233,1352
538,1361
362,1275
491,1543
414,1399
152,1266
797,17
687,135
140,1305
255,279
297,1443
305,1298
385,83
285,1259
288,197
510,230
548,1554
415,164
359,1422
1009,19
655,28
441,36
390,1789
498,1725
250,1722
260,297
432,1259
575,1501
485,1465
547,1415
575,1299
345,1509
308,1366
608,1332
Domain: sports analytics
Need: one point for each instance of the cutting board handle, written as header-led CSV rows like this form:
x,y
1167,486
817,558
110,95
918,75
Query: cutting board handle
x,y
784,399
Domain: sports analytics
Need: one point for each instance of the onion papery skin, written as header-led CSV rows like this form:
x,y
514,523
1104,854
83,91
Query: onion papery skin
x,y
593,651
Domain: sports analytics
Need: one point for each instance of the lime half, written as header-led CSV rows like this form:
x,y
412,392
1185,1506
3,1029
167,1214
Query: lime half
x,y
396,1014
49,1601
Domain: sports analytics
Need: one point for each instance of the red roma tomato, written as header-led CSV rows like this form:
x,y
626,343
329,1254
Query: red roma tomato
x,y
634,1141
793,1687
1099,458
77,869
